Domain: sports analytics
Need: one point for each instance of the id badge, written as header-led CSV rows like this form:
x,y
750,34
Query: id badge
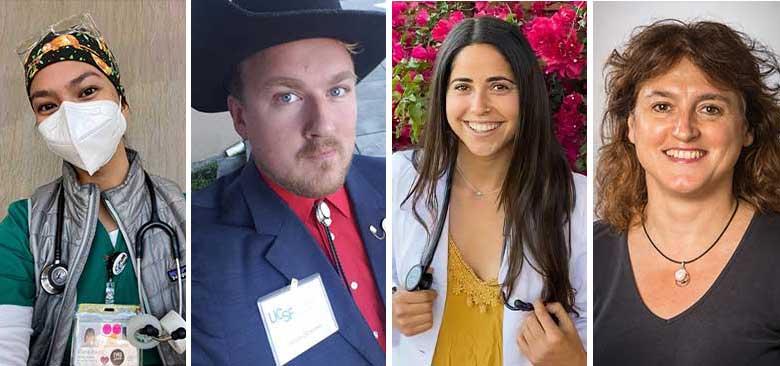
x,y
297,317
100,336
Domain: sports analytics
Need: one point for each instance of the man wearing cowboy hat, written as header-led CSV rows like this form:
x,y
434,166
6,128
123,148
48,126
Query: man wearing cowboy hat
x,y
288,253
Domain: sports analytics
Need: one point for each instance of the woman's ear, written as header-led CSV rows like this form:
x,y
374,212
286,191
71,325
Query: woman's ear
x,y
631,128
748,138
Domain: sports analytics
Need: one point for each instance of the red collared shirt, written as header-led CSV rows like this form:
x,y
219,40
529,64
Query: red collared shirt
x,y
349,246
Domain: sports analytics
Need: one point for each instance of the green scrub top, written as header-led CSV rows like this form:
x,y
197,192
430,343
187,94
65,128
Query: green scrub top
x,y
17,280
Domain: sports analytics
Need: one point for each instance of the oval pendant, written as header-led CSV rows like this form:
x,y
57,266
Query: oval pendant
x,y
682,277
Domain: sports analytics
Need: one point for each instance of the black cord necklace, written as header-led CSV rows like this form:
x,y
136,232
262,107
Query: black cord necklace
x,y
681,276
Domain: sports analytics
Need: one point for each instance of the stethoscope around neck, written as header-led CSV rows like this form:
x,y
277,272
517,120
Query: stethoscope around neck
x,y
144,331
54,276
418,278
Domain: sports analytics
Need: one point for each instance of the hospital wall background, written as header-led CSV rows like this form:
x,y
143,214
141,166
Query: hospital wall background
x,y
613,23
148,38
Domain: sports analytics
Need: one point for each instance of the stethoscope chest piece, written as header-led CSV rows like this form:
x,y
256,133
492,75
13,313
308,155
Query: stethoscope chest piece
x,y
417,279
54,276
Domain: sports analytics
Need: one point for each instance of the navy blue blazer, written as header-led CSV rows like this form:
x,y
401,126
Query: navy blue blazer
x,y
247,243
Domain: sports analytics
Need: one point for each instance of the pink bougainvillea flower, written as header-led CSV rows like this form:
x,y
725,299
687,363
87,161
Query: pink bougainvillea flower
x,y
420,53
573,100
432,52
398,53
500,11
517,8
398,8
456,17
440,30
568,61
427,74
565,16
543,35
443,26
422,17
568,119
398,13
569,123
557,45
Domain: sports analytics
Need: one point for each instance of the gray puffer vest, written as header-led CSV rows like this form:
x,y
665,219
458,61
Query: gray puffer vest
x,y
129,204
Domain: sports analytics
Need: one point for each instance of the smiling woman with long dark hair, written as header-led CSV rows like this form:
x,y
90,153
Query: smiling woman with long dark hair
x,y
488,206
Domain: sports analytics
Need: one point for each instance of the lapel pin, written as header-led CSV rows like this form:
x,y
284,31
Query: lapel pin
x,y
375,232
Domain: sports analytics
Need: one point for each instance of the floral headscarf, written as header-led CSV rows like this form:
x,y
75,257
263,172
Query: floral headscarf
x,y
73,46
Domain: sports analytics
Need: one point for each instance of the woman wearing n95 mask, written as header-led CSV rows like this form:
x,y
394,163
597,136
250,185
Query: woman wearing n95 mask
x,y
98,205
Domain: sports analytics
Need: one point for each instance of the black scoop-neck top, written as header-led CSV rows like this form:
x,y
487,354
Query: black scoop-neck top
x,y
736,322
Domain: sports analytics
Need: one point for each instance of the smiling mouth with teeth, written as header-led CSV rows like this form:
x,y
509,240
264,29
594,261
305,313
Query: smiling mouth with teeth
x,y
481,127
687,155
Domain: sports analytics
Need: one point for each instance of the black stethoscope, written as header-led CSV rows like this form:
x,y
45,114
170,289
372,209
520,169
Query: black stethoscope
x,y
418,277
54,275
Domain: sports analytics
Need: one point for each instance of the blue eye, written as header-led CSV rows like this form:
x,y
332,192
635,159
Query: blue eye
x,y
338,92
287,98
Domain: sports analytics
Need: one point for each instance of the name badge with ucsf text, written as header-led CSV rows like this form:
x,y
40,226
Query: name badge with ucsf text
x,y
297,317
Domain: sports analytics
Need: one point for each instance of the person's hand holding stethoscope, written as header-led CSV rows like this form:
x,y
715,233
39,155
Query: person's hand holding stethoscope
x,y
544,341
413,310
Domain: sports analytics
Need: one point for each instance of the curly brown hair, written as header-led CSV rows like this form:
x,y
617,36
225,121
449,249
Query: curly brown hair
x,y
731,60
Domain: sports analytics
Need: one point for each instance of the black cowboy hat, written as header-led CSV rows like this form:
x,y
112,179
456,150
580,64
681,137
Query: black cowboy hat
x,y
226,32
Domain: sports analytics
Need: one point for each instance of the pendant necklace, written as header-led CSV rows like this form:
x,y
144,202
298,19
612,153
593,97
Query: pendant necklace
x,y
681,276
478,193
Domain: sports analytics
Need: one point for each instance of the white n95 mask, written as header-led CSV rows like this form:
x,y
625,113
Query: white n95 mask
x,y
84,134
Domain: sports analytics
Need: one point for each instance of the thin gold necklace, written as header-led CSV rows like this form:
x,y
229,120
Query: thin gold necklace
x,y
477,192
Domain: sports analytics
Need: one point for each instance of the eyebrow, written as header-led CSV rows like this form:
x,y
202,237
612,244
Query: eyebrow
x,y
298,83
489,80
344,75
703,97
75,82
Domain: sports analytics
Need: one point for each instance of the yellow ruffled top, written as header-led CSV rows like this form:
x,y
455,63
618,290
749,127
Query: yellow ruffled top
x,y
471,329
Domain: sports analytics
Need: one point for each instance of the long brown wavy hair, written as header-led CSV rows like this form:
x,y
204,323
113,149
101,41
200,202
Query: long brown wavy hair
x,y
731,60
537,194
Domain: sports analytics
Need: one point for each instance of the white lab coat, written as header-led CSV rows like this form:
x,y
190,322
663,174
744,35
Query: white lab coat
x,y
409,238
